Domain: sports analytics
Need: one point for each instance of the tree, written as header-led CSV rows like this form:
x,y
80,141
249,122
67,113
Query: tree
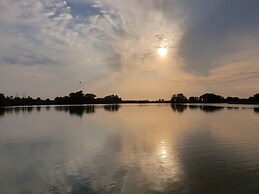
x,y
77,97
2,99
112,99
194,99
254,98
89,98
211,98
179,98
232,99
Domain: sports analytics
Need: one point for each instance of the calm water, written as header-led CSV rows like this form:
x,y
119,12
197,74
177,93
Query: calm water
x,y
129,149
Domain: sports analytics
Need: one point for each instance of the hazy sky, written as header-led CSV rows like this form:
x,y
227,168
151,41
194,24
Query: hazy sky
x,y
47,47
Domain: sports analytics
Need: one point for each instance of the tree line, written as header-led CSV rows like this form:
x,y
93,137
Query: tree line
x,y
73,98
214,98
88,98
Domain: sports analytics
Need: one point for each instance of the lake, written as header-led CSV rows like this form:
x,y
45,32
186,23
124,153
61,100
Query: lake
x,y
133,149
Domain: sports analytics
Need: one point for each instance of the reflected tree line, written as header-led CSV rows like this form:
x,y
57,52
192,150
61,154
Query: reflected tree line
x,y
81,98
90,109
180,108
72,110
206,108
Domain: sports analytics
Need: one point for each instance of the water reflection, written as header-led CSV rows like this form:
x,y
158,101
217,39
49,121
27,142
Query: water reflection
x,y
81,110
72,110
179,107
209,109
76,110
112,107
163,150
38,108
256,110
140,149
16,110
194,107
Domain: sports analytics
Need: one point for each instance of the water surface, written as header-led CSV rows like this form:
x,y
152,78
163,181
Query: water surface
x,y
155,148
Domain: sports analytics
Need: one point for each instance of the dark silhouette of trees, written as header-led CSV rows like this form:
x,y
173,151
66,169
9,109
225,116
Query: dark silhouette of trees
x,y
179,98
15,101
77,97
62,100
89,97
2,99
211,98
214,98
81,98
194,99
254,98
112,99
232,99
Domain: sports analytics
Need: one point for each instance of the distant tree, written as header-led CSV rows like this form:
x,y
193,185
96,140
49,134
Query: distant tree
x,y
30,100
254,98
17,101
194,99
112,99
179,98
232,99
211,98
62,100
77,97
17,98
2,99
89,98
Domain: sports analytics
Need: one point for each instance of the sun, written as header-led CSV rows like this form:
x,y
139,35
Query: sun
x,y
162,51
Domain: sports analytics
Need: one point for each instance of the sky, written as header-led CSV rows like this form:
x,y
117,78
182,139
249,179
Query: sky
x,y
50,48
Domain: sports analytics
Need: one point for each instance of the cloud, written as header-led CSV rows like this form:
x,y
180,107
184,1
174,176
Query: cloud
x,y
28,60
117,41
216,31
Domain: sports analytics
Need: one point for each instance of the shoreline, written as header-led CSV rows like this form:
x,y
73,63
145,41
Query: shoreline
x,y
131,102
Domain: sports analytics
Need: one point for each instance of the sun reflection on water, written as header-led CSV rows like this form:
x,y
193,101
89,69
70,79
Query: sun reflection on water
x,y
163,150
167,167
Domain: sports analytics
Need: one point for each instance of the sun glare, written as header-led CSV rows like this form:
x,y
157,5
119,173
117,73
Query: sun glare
x,y
162,51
